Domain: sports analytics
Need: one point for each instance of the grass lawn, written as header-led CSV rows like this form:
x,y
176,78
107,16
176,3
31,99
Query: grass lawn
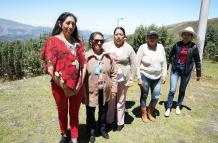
x,y
28,114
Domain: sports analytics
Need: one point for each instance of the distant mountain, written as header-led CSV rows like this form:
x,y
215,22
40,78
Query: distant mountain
x,y
84,34
12,30
176,28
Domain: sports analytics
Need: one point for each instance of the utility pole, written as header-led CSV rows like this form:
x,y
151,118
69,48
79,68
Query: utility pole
x,y
202,25
118,21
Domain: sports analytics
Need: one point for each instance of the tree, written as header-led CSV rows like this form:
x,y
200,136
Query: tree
x,y
140,37
211,42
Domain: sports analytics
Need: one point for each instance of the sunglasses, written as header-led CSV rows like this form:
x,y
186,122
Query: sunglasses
x,y
97,41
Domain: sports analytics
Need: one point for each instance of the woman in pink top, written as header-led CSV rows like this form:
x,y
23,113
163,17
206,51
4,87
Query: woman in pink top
x,y
124,56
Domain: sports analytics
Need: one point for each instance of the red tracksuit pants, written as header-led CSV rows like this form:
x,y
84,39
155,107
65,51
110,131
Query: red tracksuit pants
x,y
65,104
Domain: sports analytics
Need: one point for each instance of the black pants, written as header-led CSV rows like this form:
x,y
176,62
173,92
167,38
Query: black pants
x,y
90,113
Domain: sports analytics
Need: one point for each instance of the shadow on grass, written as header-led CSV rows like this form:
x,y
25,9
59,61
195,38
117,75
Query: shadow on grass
x,y
128,118
83,138
129,104
137,112
174,105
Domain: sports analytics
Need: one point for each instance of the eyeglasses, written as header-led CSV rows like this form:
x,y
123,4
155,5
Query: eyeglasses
x,y
98,41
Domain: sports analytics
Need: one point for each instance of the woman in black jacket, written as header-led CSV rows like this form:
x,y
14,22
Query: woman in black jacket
x,y
182,58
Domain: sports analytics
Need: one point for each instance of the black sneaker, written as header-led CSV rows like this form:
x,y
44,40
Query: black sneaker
x,y
109,126
63,138
104,135
92,138
120,127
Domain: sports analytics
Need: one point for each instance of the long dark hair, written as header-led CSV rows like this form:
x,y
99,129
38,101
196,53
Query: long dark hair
x,y
91,37
57,29
122,29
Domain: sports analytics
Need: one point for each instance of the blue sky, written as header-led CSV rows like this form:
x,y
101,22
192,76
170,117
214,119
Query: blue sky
x,y
99,15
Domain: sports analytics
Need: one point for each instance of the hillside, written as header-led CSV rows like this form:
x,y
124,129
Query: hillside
x,y
175,28
12,30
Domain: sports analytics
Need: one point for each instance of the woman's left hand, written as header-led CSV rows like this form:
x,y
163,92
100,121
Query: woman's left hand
x,y
163,79
79,84
129,83
113,95
69,92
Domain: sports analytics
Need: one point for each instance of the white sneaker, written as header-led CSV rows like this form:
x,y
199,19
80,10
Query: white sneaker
x,y
73,140
167,113
178,111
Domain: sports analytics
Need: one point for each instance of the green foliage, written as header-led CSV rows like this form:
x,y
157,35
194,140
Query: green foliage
x,y
168,40
210,49
140,37
21,59
211,42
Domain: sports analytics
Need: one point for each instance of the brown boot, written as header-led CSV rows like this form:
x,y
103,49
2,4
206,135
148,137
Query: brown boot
x,y
144,114
150,112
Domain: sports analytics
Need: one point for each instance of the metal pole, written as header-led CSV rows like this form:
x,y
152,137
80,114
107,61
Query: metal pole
x,y
202,25
118,21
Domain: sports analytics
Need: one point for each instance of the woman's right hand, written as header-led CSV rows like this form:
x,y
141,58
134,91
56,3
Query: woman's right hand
x,y
67,91
140,82
57,81
50,68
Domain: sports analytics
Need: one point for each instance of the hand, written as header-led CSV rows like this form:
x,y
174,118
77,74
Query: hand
x,y
113,95
79,85
198,78
83,100
50,69
140,82
57,81
129,83
163,79
69,92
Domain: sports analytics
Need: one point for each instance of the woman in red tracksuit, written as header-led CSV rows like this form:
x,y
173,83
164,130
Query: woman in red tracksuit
x,y
63,56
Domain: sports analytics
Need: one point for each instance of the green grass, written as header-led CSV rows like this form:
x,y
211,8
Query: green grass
x,y
28,114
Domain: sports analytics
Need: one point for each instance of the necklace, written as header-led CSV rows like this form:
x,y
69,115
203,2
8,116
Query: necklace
x,y
71,47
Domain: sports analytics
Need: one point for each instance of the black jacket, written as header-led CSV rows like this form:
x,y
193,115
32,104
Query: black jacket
x,y
192,57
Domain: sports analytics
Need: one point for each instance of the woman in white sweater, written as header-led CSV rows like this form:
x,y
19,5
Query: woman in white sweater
x,y
151,71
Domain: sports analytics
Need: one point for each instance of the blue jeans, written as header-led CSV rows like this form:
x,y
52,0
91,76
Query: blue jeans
x,y
174,76
154,85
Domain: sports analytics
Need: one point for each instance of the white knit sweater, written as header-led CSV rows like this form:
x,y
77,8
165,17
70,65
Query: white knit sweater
x,y
151,62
